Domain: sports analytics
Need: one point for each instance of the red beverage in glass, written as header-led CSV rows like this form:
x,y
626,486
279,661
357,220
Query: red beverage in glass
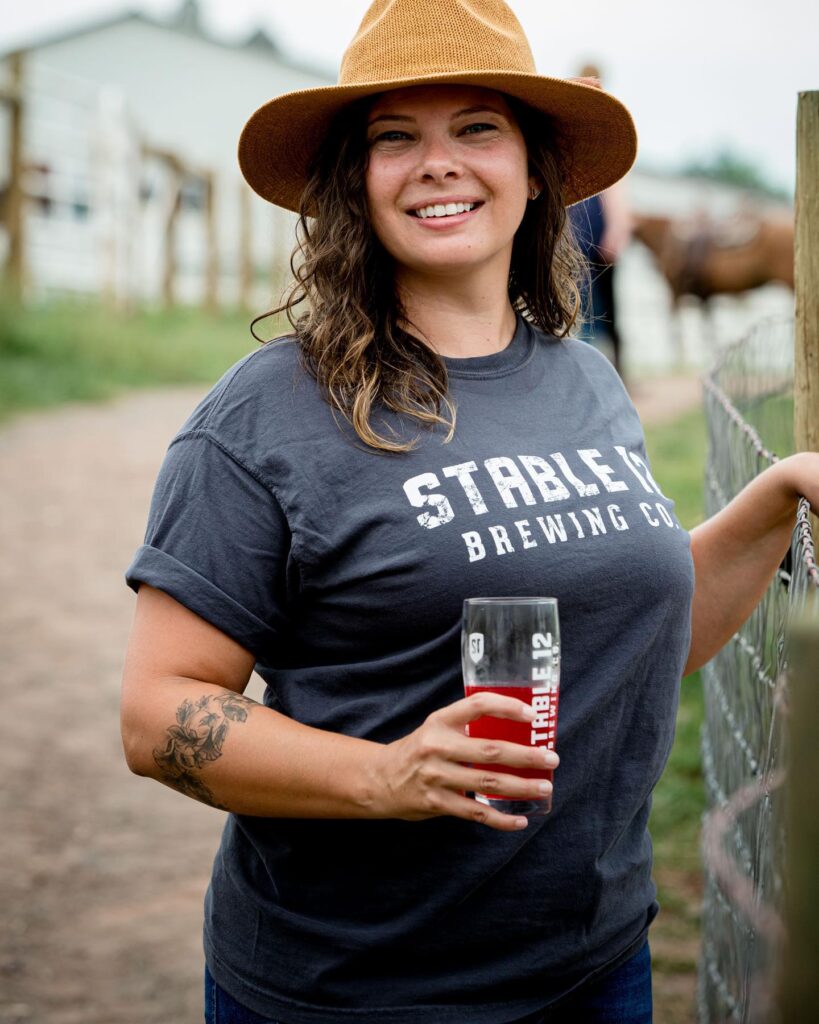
x,y
511,646
540,732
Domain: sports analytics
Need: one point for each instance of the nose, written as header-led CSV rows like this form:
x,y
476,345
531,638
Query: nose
x,y
438,160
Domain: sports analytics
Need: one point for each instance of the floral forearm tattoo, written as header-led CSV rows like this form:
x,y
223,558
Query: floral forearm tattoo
x,y
197,739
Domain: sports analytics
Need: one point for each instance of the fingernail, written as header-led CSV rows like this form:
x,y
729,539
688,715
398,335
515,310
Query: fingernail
x,y
521,822
528,711
544,788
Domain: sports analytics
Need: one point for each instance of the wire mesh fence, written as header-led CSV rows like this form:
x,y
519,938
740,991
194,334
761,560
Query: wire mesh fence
x,y
749,407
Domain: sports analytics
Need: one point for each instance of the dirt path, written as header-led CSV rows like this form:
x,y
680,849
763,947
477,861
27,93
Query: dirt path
x,y
103,874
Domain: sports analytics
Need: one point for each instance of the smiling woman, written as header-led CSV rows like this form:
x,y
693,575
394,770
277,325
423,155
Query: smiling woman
x,y
428,432
366,256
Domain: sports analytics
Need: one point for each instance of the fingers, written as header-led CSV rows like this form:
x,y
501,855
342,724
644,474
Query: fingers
x,y
500,752
452,744
430,771
510,787
462,712
473,810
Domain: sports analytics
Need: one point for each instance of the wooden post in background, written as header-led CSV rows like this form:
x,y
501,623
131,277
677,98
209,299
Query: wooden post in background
x,y
169,272
245,248
806,356
276,262
799,981
14,213
175,171
211,285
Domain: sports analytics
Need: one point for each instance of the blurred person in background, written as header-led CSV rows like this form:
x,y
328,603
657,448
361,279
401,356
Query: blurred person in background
x,y
602,225
428,431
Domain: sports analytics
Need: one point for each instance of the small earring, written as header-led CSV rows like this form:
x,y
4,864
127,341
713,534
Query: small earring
x,y
534,193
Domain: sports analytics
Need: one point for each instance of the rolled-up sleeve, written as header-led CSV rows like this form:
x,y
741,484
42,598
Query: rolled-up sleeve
x,y
218,541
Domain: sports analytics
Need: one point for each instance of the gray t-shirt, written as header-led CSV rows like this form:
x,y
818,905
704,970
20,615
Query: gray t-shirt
x,y
343,571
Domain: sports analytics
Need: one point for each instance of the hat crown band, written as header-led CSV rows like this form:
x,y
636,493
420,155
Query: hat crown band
x,y
406,39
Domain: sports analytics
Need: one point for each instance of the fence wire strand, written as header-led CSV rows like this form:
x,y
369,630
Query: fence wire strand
x,y
749,408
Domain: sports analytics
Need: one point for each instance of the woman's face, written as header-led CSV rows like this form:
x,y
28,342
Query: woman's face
x,y
447,179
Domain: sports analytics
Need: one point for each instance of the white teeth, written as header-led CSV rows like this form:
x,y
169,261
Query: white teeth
x,y
447,210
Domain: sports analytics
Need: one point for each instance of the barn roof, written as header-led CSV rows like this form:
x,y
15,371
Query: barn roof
x,y
186,20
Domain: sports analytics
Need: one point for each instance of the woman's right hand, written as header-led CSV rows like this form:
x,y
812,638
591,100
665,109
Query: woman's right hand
x,y
426,774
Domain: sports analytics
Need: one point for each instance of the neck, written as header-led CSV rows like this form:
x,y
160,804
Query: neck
x,y
459,317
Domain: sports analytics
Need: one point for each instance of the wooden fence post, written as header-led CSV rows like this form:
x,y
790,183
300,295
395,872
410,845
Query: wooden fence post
x,y
275,255
14,213
799,982
211,296
171,262
806,356
245,248
175,170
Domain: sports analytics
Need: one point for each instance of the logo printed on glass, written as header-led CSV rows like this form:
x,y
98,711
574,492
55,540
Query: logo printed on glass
x,y
546,659
475,647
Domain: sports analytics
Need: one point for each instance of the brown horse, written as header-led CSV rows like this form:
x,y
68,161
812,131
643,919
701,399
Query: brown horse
x,y
705,258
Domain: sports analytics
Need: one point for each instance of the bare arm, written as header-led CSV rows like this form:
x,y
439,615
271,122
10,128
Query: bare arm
x,y
186,723
737,551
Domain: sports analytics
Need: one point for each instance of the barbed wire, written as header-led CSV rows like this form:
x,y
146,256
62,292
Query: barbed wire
x,y
732,413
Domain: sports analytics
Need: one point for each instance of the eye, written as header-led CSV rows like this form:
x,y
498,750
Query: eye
x,y
478,128
393,135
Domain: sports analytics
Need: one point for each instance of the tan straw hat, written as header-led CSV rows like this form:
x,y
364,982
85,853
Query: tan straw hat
x,y
417,42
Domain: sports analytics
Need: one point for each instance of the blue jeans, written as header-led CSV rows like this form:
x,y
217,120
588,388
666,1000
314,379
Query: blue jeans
x,y
220,1008
621,997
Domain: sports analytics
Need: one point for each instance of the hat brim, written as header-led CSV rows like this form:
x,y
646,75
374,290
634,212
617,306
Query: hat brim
x,y
598,137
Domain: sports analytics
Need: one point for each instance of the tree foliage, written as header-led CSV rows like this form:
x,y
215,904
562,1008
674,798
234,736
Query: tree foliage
x,y
732,168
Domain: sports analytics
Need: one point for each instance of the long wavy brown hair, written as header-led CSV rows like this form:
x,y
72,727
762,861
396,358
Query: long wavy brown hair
x,y
354,332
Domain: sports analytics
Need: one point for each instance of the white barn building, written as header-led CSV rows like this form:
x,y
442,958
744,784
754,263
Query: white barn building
x,y
109,105
93,98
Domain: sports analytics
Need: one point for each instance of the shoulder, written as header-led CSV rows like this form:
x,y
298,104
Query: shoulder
x,y
579,352
262,409
586,353
252,376
590,360
267,393
579,366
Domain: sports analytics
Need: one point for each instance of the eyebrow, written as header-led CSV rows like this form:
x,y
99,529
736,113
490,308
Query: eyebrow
x,y
481,109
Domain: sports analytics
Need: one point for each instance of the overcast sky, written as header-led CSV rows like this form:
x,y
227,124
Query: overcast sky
x,y
697,75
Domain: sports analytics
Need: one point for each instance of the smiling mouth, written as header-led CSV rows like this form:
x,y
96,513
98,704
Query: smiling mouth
x,y
443,210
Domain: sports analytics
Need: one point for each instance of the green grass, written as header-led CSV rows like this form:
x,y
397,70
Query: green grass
x,y
679,799
677,453
75,351
772,418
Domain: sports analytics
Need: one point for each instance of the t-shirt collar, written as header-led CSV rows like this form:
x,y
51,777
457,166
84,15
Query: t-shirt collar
x,y
498,364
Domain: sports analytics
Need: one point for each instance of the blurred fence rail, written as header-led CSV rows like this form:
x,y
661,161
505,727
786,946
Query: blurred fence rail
x,y
89,206
749,406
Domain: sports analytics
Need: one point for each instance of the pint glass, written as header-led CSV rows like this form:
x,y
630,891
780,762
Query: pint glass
x,y
511,646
